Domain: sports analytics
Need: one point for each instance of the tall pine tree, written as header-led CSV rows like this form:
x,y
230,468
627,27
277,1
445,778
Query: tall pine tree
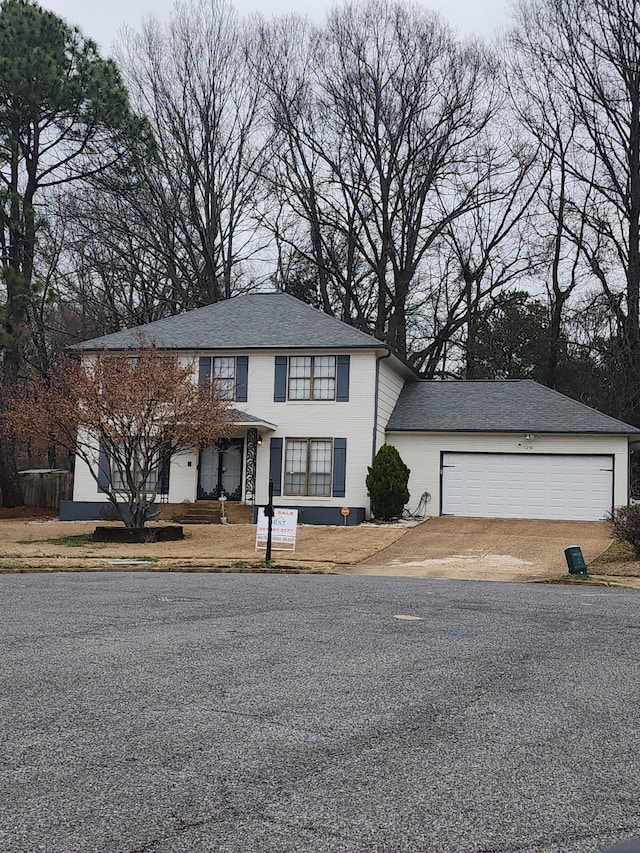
x,y
64,116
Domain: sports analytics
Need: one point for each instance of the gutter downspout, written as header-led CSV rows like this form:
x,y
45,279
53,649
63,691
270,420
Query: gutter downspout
x,y
374,448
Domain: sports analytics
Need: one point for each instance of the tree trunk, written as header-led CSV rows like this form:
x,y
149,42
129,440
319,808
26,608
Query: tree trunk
x,y
137,513
633,270
470,354
397,337
10,488
555,332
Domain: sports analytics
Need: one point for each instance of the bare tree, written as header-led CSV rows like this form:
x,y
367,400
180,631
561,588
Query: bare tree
x,y
192,81
558,216
64,115
489,243
125,415
584,57
374,119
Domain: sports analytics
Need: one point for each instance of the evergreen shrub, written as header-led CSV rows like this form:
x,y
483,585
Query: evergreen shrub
x,y
387,484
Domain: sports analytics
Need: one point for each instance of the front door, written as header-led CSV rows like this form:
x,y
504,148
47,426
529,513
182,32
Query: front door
x,y
220,470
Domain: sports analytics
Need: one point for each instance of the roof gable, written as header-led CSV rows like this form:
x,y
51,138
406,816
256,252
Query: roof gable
x,y
250,321
520,405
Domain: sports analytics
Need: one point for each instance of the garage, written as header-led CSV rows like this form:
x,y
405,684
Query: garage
x,y
502,485
510,449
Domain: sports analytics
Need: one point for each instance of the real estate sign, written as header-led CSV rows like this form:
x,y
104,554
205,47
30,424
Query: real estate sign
x,y
283,530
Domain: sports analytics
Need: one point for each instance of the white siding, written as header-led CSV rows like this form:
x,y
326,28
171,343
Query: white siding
x,y
390,384
183,478
421,453
85,487
352,420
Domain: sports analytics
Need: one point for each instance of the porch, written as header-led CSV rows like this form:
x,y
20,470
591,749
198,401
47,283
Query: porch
x,y
206,512
229,468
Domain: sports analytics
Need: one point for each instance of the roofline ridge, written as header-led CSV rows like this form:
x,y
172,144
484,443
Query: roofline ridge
x,y
462,381
101,341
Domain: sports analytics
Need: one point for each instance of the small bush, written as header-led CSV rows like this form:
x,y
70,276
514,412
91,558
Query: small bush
x,y
387,484
625,524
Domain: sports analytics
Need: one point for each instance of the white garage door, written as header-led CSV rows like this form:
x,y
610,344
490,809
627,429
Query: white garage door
x,y
502,485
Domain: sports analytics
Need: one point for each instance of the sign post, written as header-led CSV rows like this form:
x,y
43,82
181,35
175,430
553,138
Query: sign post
x,y
345,512
268,511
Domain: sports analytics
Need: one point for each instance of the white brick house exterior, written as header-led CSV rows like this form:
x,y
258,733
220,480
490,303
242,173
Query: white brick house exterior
x,y
314,400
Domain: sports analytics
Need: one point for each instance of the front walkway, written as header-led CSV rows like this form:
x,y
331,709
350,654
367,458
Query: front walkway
x,y
486,549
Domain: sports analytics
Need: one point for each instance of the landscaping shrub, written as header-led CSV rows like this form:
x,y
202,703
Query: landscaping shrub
x,y
387,484
625,523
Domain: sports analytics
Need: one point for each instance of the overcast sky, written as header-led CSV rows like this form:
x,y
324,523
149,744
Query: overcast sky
x,y
101,20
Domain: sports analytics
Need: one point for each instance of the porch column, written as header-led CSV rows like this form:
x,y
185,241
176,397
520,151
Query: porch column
x,y
250,470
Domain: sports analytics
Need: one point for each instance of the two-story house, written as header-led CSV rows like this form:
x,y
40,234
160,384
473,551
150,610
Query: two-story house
x,y
314,400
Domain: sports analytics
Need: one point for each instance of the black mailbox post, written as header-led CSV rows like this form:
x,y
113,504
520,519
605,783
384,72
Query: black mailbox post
x,y
268,511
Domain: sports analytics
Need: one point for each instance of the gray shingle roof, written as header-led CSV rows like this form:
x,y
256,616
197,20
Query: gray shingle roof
x,y
502,406
240,417
251,321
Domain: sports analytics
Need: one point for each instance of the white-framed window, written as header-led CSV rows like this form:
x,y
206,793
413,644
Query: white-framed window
x,y
118,482
220,373
312,377
223,375
307,466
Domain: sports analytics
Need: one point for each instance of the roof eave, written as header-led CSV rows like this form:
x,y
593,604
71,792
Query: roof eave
x,y
302,347
539,430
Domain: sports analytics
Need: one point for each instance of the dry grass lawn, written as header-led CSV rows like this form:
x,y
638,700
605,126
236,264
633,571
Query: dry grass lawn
x,y
23,544
617,561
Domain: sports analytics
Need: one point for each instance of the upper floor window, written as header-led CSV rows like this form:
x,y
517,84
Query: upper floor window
x,y
226,374
312,377
223,376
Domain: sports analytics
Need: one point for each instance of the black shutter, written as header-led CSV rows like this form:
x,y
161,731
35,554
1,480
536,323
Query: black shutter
x,y
204,371
242,378
280,380
339,467
275,465
164,467
342,378
104,465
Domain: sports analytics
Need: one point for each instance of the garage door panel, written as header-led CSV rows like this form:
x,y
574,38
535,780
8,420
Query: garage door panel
x,y
518,486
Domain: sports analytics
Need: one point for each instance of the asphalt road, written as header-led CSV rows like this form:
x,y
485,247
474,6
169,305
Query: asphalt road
x,y
191,713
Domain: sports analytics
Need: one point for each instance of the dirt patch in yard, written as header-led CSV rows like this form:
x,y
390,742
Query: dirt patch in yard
x,y
29,544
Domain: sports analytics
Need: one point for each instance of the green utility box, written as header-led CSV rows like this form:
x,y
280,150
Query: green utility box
x,y
575,561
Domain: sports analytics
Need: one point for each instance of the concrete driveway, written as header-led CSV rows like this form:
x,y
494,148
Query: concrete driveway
x,y
486,549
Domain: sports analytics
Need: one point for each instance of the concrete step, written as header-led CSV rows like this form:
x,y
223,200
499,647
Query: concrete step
x,y
206,512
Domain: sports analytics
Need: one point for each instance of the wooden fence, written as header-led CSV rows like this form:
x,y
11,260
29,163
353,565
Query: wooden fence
x,y
46,488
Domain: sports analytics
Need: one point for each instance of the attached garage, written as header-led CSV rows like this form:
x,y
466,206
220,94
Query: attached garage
x,y
510,449
503,485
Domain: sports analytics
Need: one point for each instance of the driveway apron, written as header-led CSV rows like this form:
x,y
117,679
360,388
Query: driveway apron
x,y
486,549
